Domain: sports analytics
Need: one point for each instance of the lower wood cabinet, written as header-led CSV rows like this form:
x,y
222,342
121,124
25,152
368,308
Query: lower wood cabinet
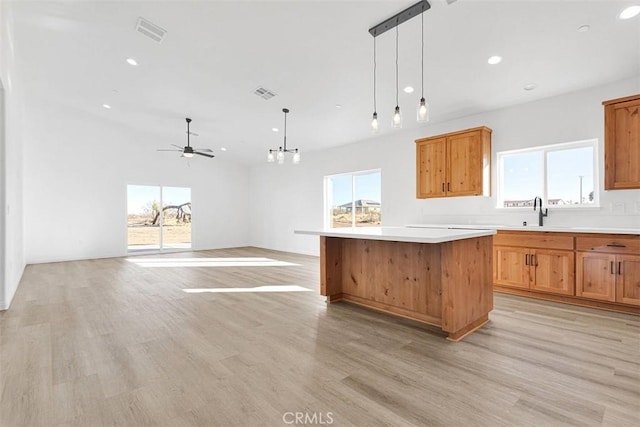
x,y
542,262
596,276
595,270
608,277
537,269
553,271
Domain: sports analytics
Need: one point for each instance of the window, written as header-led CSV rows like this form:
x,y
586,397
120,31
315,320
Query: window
x,y
564,175
152,228
353,200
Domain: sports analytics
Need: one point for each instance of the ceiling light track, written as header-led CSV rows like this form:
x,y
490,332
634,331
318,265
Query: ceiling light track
x,y
399,18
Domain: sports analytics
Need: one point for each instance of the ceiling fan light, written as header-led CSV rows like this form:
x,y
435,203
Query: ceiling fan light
x,y
423,111
187,155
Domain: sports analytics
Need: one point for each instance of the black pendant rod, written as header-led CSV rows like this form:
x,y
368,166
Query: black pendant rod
x,y
399,18
188,132
285,111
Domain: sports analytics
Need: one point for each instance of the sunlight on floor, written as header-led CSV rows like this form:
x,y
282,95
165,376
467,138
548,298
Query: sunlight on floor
x,y
282,288
210,262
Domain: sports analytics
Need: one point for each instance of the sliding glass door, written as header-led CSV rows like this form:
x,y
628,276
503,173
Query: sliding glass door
x,y
158,218
176,213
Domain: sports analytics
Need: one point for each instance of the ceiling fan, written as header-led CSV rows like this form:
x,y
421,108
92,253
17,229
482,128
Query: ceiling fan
x,y
188,150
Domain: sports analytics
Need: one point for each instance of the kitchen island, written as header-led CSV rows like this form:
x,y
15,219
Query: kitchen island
x,y
441,277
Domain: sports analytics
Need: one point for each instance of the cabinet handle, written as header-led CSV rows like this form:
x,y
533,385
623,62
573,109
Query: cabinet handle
x,y
620,267
448,186
611,267
616,245
526,259
443,187
533,261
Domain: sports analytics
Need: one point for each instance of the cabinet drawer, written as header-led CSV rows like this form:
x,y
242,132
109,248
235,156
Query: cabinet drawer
x,y
531,239
615,244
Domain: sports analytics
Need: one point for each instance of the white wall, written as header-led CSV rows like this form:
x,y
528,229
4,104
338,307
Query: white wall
x,y
291,197
77,170
11,168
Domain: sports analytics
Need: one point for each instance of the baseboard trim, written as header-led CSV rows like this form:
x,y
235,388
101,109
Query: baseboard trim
x,y
603,305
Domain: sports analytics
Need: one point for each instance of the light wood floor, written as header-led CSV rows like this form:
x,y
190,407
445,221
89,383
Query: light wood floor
x,y
112,341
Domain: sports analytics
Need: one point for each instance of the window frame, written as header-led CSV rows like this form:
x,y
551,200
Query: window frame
x,y
545,149
327,209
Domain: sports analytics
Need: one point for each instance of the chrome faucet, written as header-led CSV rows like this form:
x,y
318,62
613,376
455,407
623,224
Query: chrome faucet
x,y
540,213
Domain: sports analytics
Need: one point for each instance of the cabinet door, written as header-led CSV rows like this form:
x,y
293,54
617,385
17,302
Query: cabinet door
x,y
430,161
510,267
622,145
628,279
553,271
464,164
595,276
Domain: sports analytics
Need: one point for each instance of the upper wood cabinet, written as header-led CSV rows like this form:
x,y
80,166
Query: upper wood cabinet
x,y
622,143
454,164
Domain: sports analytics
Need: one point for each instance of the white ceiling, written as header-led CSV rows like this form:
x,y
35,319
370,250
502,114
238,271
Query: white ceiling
x,y
314,55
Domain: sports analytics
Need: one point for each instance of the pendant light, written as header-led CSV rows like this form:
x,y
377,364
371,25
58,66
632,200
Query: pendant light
x,y
278,155
396,121
374,120
393,22
423,107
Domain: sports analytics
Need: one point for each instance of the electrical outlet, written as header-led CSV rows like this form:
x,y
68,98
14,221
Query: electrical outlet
x,y
617,207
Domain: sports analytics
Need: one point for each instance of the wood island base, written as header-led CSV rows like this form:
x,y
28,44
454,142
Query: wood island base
x,y
446,284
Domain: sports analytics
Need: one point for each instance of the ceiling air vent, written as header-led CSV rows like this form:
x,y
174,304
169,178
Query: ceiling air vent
x,y
264,93
150,30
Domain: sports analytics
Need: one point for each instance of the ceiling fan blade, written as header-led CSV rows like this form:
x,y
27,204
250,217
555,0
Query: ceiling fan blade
x,y
177,146
203,154
168,149
206,150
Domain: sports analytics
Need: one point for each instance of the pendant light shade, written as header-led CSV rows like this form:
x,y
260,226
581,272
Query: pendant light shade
x,y
423,111
396,121
423,107
397,118
374,123
271,157
374,119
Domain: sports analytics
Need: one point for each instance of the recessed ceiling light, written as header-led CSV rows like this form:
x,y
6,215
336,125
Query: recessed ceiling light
x,y
223,149
107,106
530,86
630,12
408,89
338,106
274,129
583,28
494,60
132,61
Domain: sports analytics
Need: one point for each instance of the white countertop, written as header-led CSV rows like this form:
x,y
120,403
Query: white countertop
x,y
601,230
400,234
